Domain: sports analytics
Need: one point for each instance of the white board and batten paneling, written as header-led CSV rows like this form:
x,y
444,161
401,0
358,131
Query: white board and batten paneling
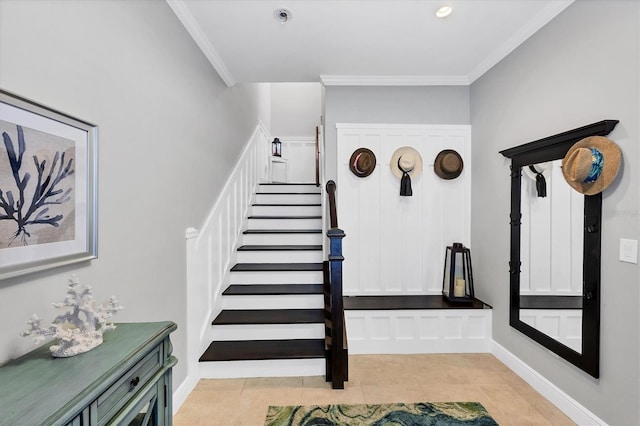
x,y
300,153
552,252
396,245
563,325
419,331
551,235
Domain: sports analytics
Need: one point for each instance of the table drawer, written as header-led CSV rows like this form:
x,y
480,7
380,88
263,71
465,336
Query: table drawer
x,y
124,388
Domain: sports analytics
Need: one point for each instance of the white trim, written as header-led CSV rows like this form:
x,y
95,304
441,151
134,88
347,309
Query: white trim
x,y
210,251
419,331
263,368
433,127
190,233
184,15
181,10
298,139
569,406
182,392
538,21
394,80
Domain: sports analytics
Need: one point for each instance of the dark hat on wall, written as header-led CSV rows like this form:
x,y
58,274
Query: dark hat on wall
x,y
448,164
362,162
591,164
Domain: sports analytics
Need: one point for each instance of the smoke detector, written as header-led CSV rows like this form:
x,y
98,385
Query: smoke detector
x,y
282,15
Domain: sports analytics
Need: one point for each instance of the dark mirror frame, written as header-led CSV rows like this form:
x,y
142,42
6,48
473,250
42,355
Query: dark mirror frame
x,y
548,149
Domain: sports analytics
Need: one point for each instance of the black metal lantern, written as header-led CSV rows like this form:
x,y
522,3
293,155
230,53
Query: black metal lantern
x,y
276,148
457,281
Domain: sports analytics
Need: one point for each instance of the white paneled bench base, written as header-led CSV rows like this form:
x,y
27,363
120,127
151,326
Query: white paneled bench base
x,y
416,324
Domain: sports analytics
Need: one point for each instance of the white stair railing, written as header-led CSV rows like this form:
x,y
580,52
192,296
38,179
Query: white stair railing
x,y
211,250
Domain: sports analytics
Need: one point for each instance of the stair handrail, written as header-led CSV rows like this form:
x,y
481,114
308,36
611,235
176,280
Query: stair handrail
x,y
333,212
337,365
317,156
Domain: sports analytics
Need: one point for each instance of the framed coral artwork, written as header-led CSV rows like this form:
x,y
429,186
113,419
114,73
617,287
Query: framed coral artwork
x,y
48,187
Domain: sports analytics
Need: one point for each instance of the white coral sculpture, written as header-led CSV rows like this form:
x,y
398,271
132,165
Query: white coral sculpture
x,y
79,330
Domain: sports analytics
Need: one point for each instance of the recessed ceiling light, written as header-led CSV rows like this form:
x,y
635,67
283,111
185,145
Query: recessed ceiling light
x,y
282,15
444,11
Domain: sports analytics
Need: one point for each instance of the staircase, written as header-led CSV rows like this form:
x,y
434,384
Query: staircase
x,y
272,318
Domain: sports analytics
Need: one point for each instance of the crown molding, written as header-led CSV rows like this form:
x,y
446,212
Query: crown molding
x,y
398,80
401,126
184,15
538,21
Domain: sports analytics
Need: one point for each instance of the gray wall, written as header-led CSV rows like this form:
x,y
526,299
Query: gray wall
x,y
390,105
581,68
295,109
169,133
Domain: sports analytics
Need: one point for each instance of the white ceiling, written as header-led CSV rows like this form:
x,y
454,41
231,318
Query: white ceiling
x,y
387,42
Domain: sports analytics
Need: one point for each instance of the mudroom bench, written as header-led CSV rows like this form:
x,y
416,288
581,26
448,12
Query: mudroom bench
x,y
416,324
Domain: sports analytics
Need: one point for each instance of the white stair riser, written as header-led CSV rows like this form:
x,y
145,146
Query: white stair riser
x,y
280,301
268,332
288,277
286,210
290,188
279,256
263,368
284,223
266,198
282,239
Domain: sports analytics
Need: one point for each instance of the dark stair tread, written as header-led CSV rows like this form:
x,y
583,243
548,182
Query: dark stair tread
x,y
416,301
283,247
288,193
282,231
269,316
251,267
288,183
242,350
282,205
272,289
284,217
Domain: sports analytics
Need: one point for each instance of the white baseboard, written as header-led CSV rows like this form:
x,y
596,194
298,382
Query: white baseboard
x,y
569,406
182,392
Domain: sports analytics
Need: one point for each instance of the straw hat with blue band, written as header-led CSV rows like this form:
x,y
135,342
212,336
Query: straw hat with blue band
x,y
591,164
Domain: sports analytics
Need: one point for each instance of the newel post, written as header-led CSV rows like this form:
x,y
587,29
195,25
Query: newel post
x,y
338,366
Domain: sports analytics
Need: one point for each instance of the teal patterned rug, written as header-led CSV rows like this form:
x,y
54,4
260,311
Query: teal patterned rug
x,y
418,414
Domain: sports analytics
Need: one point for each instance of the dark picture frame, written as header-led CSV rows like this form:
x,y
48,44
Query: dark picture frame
x,y
48,187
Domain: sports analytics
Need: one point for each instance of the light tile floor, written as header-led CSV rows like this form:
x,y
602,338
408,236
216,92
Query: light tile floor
x,y
377,379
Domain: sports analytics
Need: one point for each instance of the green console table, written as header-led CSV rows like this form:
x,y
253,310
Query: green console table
x,y
124,381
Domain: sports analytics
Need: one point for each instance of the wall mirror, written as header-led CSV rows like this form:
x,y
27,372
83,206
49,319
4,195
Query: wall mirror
x,y
554,263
